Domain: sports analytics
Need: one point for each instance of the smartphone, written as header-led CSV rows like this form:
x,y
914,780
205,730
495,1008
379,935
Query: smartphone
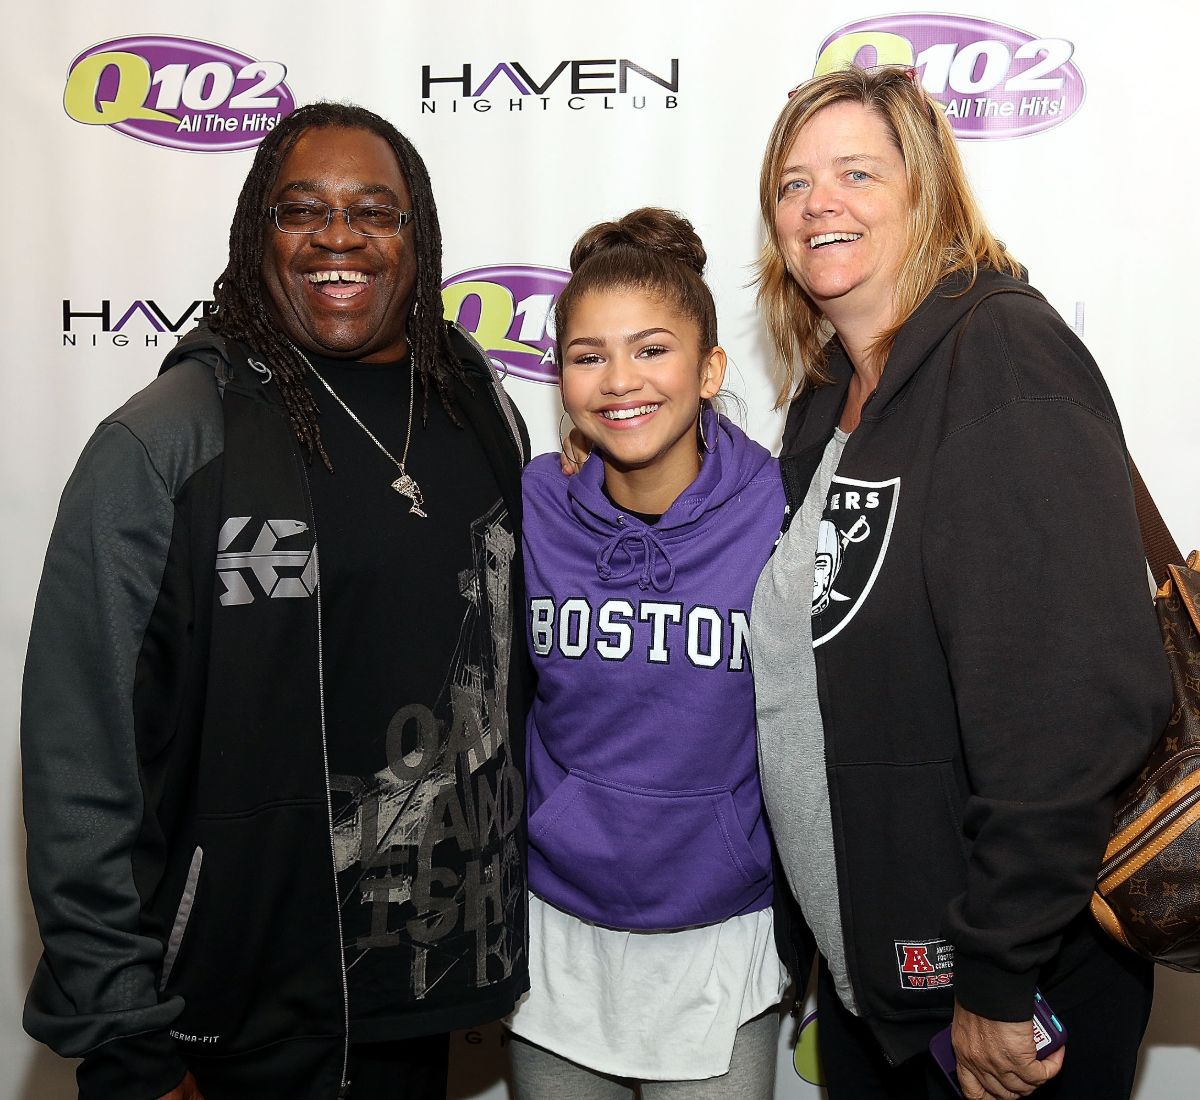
x,y
1048,1035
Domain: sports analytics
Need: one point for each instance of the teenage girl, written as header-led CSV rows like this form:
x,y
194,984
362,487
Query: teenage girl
x,y
653,960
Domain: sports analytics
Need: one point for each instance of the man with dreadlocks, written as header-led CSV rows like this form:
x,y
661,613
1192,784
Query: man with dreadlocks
x,y
274,802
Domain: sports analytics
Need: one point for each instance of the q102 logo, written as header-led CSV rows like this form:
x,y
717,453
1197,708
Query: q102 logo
x,y
993,81
181,93
510,312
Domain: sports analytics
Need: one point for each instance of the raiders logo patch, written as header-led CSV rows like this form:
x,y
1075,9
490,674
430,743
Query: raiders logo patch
x,y
851,544
925,964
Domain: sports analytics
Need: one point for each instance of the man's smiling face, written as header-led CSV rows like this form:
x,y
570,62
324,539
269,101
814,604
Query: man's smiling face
x,y
336,292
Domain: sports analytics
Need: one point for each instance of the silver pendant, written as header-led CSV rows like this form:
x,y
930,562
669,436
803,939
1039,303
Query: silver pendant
x,y
407,487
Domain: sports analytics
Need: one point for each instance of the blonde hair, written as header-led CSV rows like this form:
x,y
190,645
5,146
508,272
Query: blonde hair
x,y
946,231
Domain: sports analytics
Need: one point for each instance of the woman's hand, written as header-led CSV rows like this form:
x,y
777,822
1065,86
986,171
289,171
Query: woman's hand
x,y
997,1059
187,1089
575,450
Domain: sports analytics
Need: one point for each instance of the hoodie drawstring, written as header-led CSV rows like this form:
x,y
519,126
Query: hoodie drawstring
x,y
654,555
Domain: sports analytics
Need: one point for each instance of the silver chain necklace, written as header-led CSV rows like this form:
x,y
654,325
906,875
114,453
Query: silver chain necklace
x,y
405,484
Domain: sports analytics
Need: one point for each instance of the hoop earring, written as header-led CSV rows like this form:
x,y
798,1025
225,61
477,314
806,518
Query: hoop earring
x,y
700,424
566,447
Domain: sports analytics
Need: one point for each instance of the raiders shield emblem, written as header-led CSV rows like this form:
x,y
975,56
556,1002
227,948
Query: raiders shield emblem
x,y
851,545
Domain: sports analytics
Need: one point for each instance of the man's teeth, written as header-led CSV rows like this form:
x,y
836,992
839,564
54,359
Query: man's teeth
x,y
627,414
829,238
338,277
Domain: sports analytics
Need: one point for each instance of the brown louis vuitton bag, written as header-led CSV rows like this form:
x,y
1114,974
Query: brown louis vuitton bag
x,y
1147,893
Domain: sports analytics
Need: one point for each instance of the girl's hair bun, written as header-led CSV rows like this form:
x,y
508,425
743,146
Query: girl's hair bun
x,y
649,228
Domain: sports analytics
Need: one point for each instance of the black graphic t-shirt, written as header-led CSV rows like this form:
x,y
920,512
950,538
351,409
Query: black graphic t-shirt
x,y
417,635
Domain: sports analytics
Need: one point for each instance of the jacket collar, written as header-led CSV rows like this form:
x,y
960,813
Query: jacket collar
x,y
929,325
933,320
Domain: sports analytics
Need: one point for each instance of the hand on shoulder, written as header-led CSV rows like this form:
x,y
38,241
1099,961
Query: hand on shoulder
x,y
576,448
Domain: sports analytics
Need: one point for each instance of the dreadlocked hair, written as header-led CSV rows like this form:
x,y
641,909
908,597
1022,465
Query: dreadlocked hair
x,y
241,312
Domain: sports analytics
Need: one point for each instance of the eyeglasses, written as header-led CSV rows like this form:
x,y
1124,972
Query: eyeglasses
x,y
363,218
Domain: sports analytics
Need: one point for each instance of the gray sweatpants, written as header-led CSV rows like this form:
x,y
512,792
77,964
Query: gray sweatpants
x,y
541,1075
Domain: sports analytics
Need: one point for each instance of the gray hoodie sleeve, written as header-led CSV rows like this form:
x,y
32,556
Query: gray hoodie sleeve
x,y
96,986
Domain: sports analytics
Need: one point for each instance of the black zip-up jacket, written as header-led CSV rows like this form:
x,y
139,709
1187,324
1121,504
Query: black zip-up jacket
x,y
992,673
175,781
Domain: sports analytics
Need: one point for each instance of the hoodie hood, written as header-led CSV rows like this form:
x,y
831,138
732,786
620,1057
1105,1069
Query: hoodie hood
x,y
625,545
933,319
231,362
953,298
203,344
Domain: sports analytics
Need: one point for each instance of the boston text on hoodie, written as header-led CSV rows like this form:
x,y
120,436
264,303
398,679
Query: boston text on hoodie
x,y
645,807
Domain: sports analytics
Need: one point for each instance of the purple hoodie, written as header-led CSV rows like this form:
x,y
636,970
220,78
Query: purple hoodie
x,y
644,801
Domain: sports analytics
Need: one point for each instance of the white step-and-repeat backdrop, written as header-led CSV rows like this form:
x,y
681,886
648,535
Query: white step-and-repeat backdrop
x,y
130,127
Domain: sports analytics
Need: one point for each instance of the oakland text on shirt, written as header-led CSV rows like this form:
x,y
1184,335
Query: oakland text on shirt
x,y
416,805
431,839
657,631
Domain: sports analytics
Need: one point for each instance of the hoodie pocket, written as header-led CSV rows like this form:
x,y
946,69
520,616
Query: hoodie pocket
x,y
254,950
640,859
182,915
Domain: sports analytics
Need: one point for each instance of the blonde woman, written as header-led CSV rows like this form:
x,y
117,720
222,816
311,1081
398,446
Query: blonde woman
x,y
941,750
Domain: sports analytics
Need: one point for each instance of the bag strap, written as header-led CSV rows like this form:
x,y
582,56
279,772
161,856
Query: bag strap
x,y
1161,549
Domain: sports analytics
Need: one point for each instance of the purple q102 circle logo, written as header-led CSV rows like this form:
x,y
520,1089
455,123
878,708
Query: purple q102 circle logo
x,y
180,93
992,80
509,309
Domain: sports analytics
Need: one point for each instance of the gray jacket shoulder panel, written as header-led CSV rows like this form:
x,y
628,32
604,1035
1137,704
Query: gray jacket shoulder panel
x,y
177,419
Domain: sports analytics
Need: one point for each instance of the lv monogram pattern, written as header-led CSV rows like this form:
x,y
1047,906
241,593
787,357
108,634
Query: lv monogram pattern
x,y
1148,893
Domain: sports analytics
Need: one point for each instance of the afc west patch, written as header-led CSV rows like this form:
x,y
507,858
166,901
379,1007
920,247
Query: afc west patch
x,y
851,544
925,964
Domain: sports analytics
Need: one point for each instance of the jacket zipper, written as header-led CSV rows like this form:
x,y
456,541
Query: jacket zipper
x,y
1149,782
499,398
1125,853
344,1086
501,402
1164,822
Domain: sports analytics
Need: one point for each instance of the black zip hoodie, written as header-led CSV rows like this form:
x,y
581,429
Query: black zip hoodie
x,y
175,788
989,671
